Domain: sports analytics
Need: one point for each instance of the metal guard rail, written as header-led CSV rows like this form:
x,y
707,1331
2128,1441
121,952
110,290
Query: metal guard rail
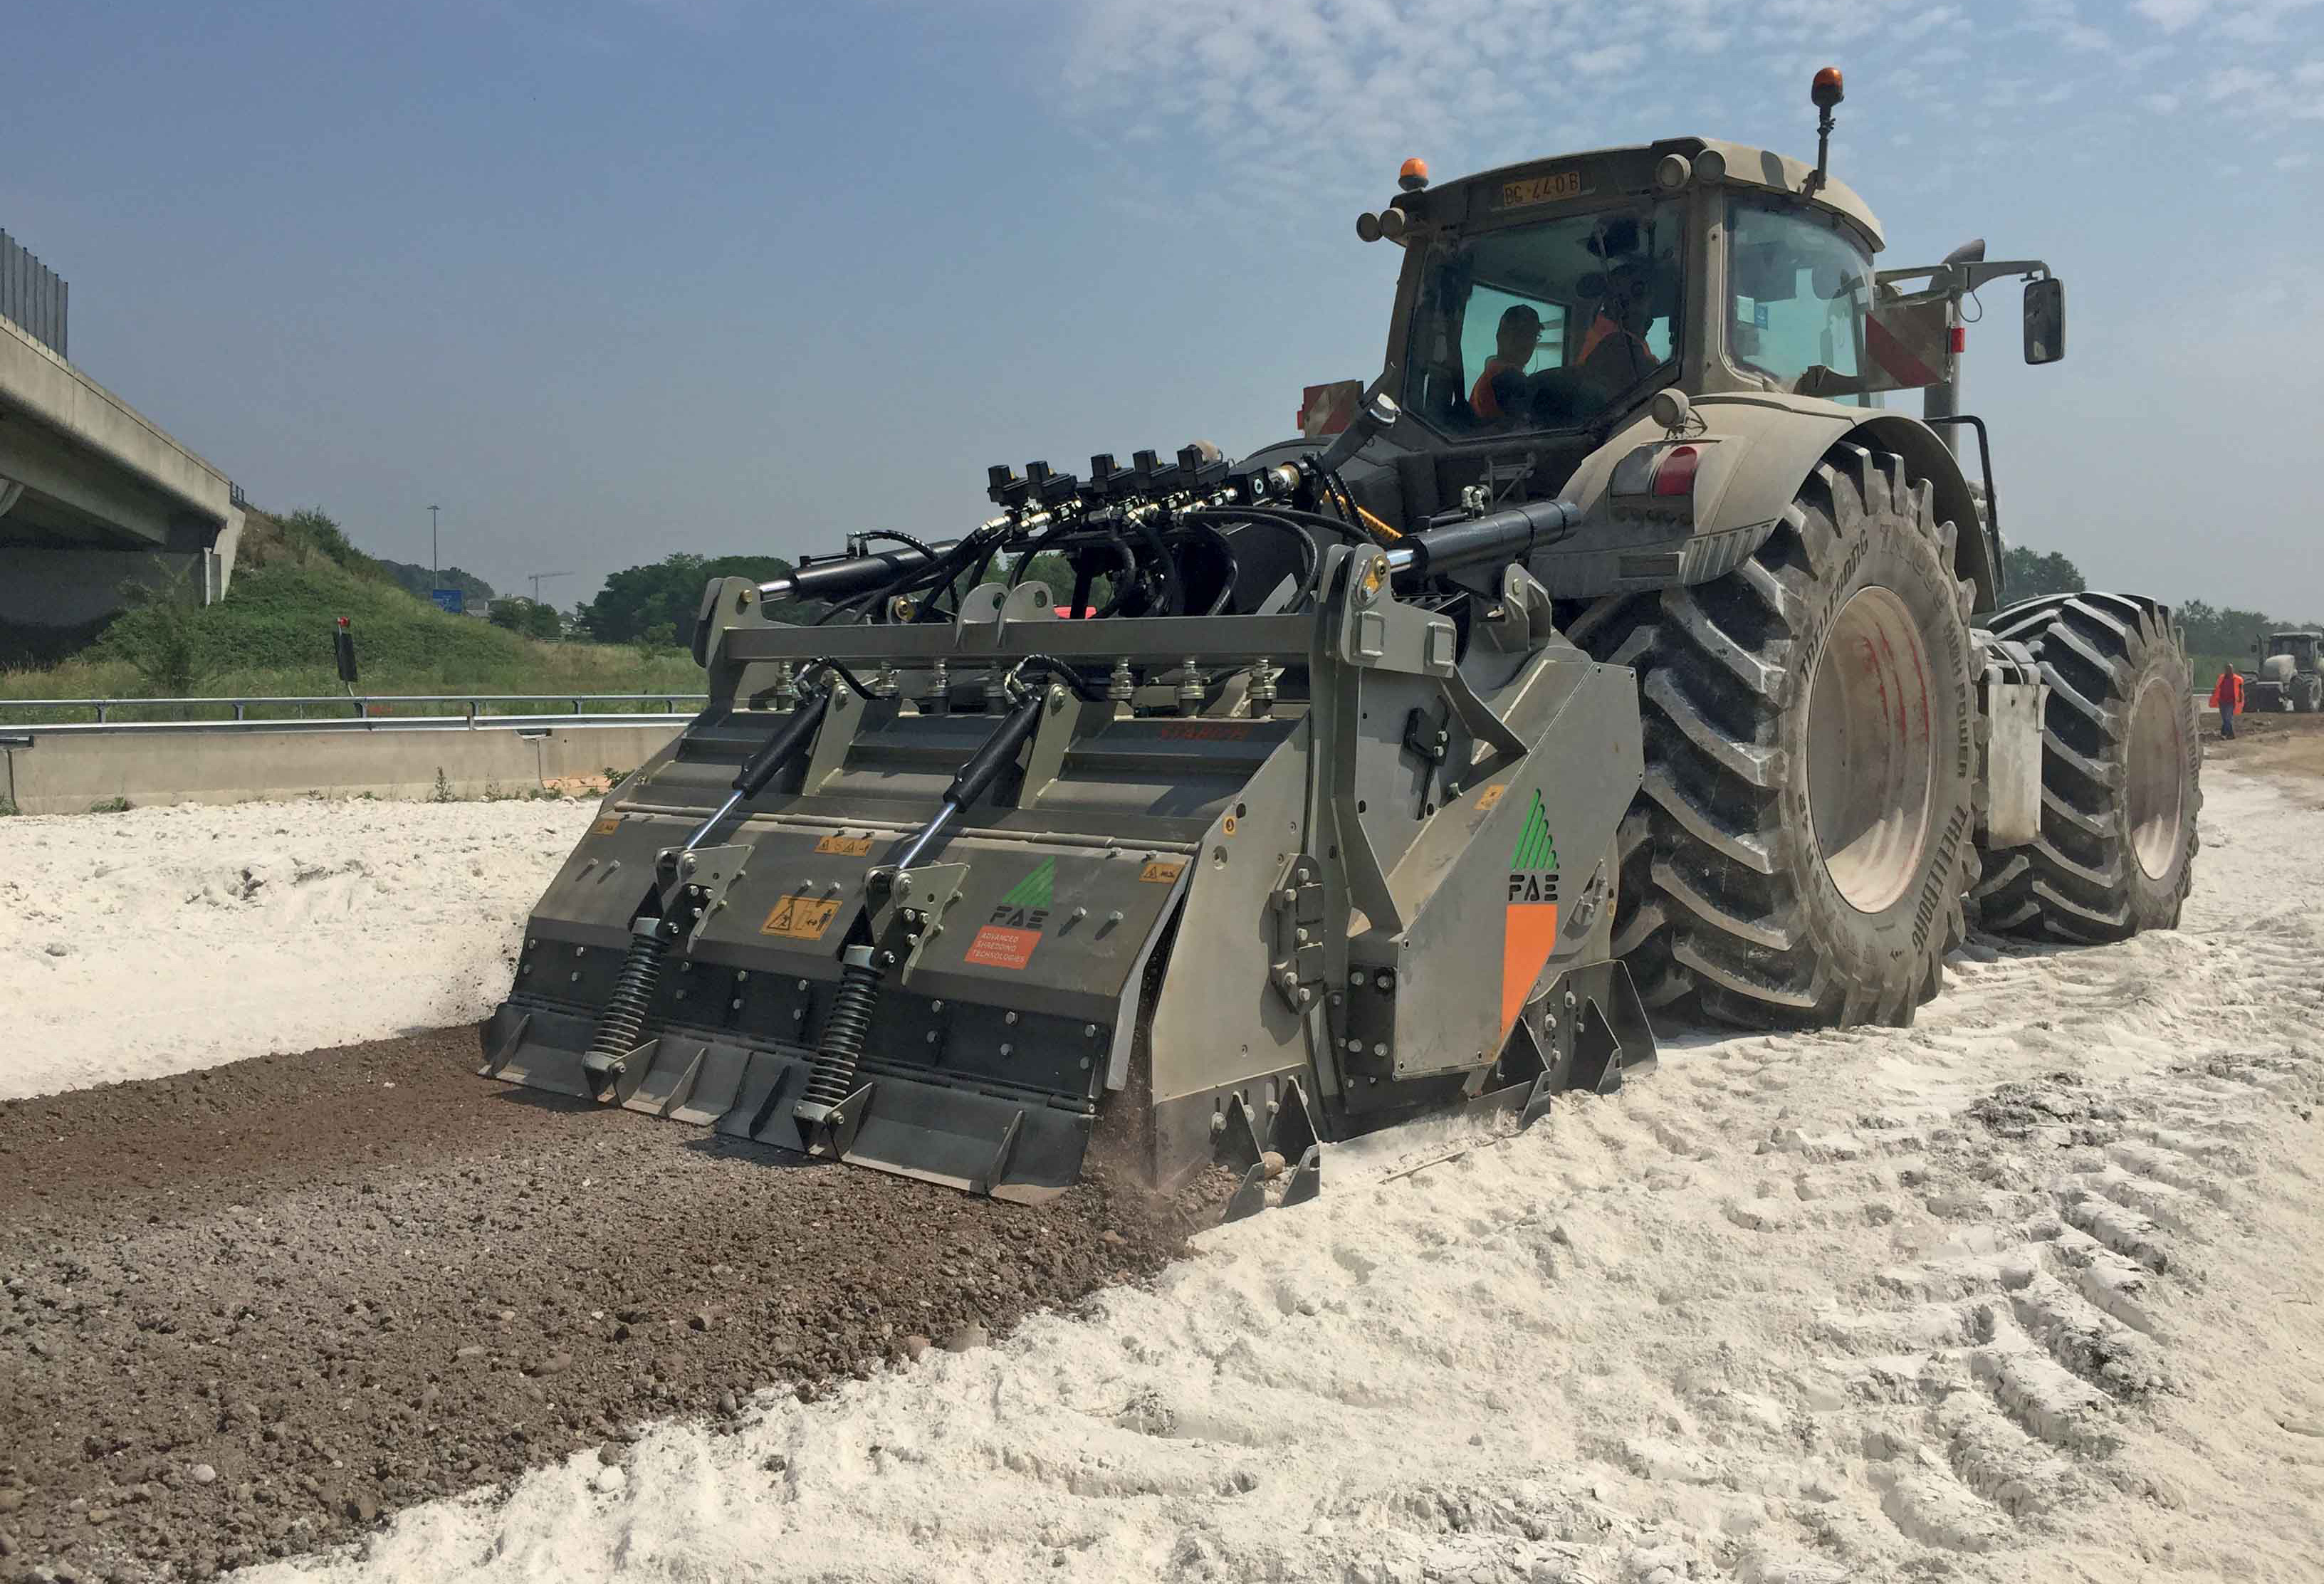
x,y
360,706
525,725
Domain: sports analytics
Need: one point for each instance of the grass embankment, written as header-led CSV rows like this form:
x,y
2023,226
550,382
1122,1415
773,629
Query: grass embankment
x,y
271,637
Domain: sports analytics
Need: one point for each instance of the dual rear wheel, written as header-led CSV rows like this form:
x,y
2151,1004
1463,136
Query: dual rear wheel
x,y
1804,850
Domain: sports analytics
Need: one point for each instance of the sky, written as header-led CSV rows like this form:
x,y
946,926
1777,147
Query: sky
x,y
608,279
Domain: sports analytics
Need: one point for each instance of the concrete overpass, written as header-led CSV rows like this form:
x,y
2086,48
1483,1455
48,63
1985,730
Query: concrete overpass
x,y
93,493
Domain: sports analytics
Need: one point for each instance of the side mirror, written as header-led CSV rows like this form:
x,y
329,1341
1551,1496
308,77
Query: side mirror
x,y
2045,320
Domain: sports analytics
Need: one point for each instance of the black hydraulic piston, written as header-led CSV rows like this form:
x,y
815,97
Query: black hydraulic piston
x,y
789,740
622,1025
842,577
1511,534
833,1080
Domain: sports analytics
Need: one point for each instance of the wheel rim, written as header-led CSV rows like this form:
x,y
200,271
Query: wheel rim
x,y
1870,761
2155,795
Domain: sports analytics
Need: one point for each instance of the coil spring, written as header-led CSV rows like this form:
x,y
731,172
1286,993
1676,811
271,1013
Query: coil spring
x,y
834,1078
623,1023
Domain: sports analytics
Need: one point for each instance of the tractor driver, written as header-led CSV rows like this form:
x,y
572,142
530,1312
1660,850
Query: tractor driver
x,y
1499,391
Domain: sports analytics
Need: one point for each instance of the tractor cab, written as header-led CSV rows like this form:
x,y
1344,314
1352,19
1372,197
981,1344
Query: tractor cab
x,y
1554,297
1641,330
2300,647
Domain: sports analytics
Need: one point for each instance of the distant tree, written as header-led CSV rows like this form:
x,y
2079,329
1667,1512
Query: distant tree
x,y
2025,573
423,582
2224,630
530,617
313,527
639,600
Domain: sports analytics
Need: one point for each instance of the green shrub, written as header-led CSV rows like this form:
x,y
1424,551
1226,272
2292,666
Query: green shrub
x,y
161,635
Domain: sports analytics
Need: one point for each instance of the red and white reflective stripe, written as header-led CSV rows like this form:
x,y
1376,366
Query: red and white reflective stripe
x,y
1899,362
1327,409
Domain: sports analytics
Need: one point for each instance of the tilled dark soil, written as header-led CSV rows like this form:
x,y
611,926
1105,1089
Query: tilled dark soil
x,y
247,1312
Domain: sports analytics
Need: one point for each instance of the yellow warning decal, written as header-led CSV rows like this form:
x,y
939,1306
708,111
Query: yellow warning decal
x,y
802,918
608,826
846,846
1490,795
1163,870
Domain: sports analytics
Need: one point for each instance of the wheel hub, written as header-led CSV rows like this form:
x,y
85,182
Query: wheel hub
x,y
2156,796
1870,762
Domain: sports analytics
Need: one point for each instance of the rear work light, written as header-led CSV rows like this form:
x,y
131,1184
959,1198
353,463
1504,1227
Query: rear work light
x,y
1674,473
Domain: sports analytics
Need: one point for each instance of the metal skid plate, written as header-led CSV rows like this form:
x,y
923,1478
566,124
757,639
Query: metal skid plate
x,y
1018,1149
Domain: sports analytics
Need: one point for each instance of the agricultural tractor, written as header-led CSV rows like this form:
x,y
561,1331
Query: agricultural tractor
x,y
1614,648
2288,677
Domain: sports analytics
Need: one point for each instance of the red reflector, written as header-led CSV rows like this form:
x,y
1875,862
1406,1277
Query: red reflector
x,y
1674,473
1959,338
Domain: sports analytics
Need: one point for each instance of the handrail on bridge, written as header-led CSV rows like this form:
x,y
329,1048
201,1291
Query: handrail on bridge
x,y
359,706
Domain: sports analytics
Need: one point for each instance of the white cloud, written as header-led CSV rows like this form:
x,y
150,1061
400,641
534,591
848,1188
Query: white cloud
x,y
2236,82
2258,22
1603,62
1295,93
2291,161
2170,15
1927,22
2060,20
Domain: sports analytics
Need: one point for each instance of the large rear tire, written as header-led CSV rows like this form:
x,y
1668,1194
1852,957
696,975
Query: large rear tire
x,y
2121,775
1803,846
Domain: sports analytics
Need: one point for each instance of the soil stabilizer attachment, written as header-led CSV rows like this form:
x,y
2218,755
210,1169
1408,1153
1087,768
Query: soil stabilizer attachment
x,y
1297,842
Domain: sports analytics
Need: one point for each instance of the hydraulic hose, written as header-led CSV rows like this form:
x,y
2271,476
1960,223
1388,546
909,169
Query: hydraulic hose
x,y
1311,557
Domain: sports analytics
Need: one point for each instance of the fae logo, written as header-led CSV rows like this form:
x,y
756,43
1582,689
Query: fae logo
x,y
1529,918
1026,905
1533,861
1007,941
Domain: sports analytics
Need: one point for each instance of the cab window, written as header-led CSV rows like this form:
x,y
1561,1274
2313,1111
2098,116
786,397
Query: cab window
x,y
1488,307
1545,325
1798,290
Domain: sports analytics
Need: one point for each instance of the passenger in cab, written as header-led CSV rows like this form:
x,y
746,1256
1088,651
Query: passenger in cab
x,y
1499,391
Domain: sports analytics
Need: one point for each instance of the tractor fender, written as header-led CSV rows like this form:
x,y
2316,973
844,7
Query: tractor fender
x,y
1753,450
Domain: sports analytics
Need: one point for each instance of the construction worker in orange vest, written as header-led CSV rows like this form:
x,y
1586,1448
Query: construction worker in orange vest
x,y
1614,351
2227,698
1501,385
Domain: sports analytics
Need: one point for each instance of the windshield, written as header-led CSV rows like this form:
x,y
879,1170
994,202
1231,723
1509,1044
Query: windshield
x,y
1798,287
2299,646
1544,326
